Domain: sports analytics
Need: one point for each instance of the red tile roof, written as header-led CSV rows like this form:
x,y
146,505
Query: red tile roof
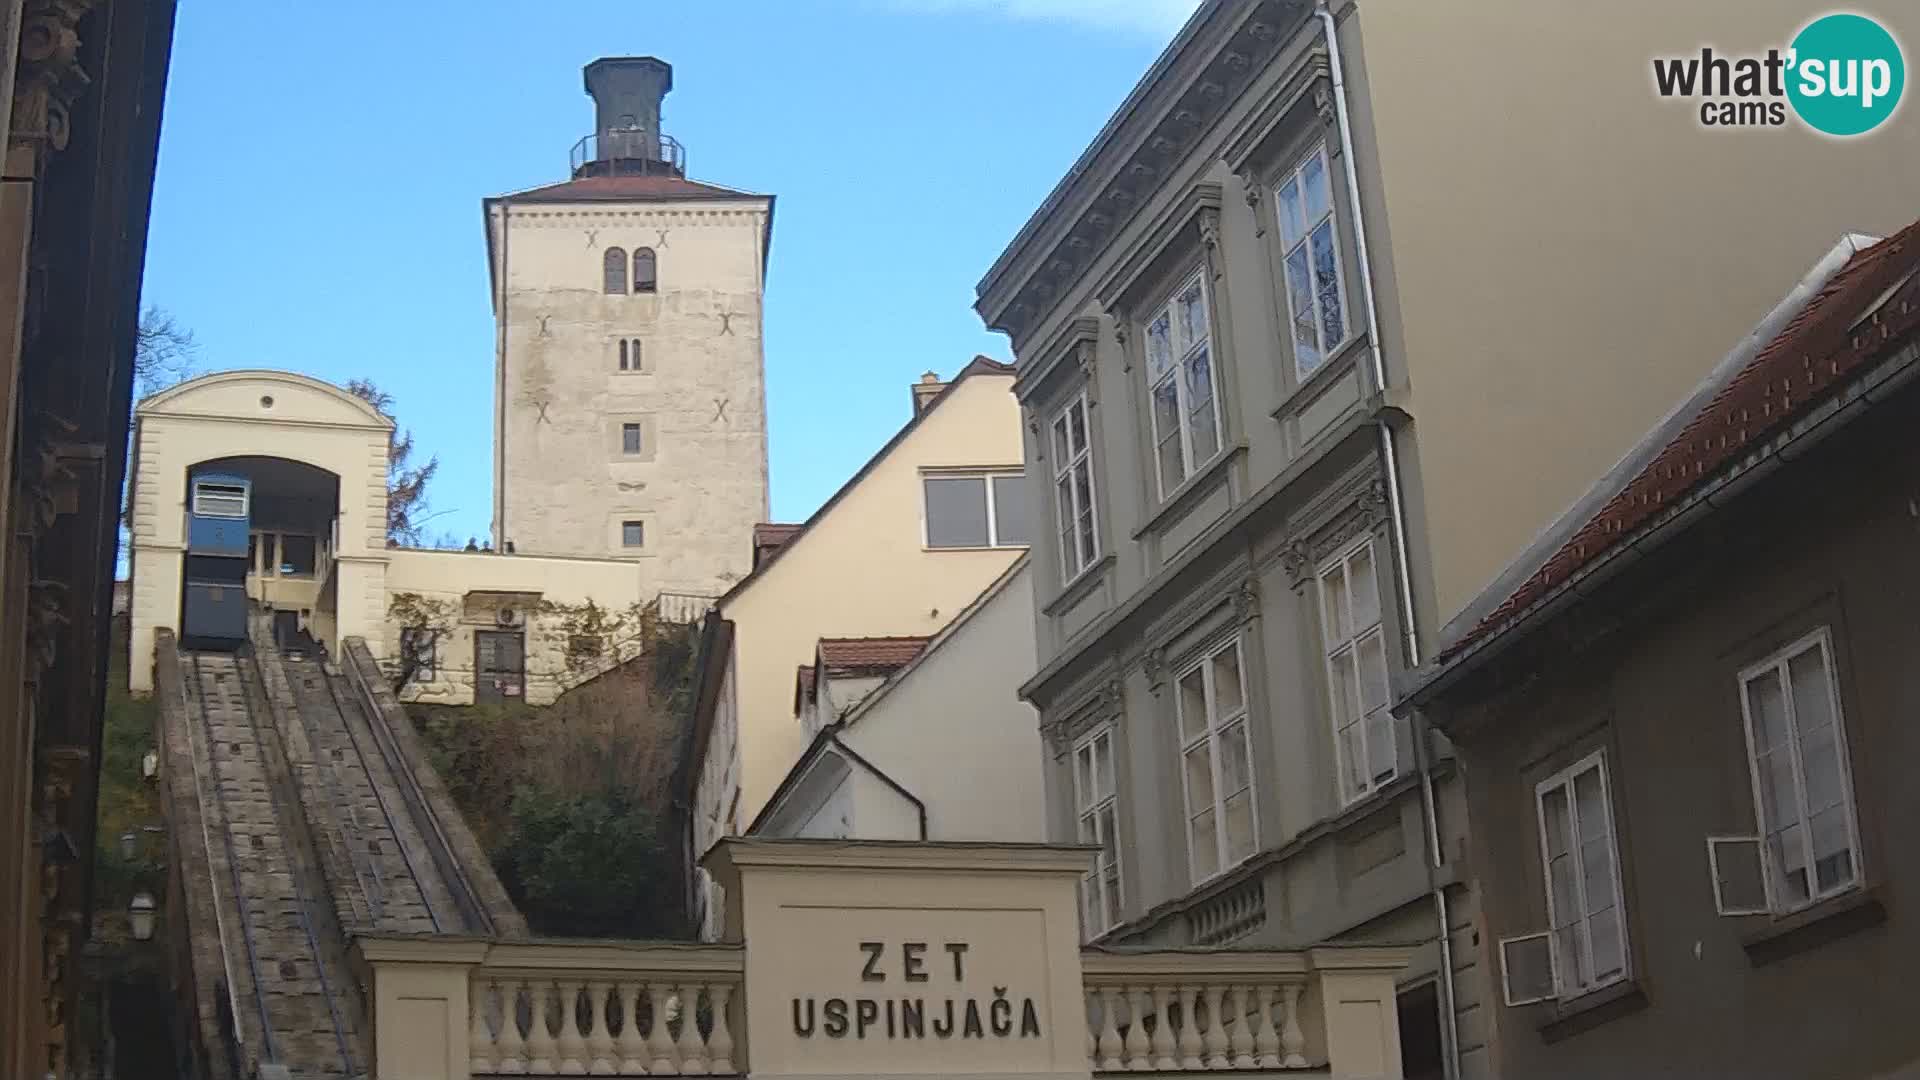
x,y
845,656
652,186
769,536
1813,354
803,681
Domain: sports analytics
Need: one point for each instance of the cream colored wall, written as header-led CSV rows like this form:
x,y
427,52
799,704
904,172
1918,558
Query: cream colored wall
x,y
224,415
954,732
701,482
445,577
863,570
1567,253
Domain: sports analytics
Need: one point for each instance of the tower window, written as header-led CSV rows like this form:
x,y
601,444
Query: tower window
x,y
644,272
629,354
629,438
614,269
633,534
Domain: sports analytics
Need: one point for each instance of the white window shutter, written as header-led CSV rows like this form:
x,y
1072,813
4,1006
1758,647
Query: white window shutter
x,y
1527,968
1738,867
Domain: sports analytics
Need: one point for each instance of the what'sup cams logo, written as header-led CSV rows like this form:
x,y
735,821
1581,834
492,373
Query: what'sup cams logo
x,y
1842,75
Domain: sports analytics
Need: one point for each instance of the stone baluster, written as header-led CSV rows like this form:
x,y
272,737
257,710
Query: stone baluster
x,y
659,1040
1109,1055
633,1046
1216,1030
1190,1045
1163,1046
1136,1047
572,1045
1266,1042
1093,1027
540,1046
1293,1041
693,1050
1241,1036
720,1043
479,1039
513,1047
600,1041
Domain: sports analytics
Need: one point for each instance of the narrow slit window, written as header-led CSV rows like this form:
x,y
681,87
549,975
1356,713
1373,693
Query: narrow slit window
x,y
613,267
630,438
623,354
644,271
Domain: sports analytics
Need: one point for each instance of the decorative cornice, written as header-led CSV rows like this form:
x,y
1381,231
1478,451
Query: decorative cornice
x,y
1210,227
1161,146
1297,559
1246,600
1323,104
49,79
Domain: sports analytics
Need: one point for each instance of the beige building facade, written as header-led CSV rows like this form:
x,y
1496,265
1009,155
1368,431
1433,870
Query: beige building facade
x,y
630,411
933,745
873,561
452,627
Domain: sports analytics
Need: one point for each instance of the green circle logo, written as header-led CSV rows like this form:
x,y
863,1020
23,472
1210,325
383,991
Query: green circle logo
x,y
1845,74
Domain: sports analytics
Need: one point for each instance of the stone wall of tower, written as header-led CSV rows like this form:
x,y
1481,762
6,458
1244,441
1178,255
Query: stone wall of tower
x,y
564,485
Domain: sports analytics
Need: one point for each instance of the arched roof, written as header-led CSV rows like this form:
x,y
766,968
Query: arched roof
x,y
264,396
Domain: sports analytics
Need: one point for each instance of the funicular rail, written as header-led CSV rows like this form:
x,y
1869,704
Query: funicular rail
x,y
303,1014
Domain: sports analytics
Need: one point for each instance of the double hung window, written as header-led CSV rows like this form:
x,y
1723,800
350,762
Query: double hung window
x,y
1216,762
1316,307
1073,489
1356,657
1181,382
1096,803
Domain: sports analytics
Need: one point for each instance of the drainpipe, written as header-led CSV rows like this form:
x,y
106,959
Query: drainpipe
x,y
1397,523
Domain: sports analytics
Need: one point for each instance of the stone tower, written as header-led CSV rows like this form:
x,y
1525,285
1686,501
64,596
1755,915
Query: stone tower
x,y
629,399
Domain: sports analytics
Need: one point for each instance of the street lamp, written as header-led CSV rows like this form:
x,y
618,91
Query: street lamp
x,y
140,916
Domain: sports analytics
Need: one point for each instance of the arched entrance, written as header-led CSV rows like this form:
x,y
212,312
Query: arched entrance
x,y
315,460
283,566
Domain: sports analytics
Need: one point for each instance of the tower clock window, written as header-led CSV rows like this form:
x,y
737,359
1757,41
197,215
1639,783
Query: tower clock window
x,y
645,274
614,272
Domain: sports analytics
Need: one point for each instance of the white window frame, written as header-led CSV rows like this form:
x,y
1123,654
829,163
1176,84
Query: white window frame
x,y
1090,802
993,517
1777,663
1078,552
1297,176
1182,353
1562,970
1332,651
1209,735
221,493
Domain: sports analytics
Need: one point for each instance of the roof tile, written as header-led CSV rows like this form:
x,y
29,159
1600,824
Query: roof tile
x,y
1814,353
843,656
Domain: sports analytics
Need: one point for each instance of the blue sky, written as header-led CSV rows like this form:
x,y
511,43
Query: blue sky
x,y
317,206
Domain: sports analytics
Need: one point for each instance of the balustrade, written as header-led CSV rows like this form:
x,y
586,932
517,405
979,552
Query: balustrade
x,y
1194,1012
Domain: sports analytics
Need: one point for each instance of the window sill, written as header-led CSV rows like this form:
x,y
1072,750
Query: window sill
x,y
1183,495
974,547
1081,584
1330,371
1593,1008
1815,926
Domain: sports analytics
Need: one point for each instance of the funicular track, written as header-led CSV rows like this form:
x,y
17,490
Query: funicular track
x,y
394,874
294,1001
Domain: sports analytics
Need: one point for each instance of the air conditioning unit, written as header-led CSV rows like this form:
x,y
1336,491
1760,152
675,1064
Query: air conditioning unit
x,y
507,617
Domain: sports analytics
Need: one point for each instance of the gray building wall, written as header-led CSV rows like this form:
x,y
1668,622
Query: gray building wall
x,y
1648,673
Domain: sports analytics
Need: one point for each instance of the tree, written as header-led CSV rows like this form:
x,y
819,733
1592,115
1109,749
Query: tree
x,y
406,482
163,352
585,864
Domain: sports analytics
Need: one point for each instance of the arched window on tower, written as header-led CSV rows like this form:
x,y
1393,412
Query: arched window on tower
x,y
614,269
644,273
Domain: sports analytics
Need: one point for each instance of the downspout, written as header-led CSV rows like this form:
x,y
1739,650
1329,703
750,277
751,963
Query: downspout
x,y
1397,523
500,391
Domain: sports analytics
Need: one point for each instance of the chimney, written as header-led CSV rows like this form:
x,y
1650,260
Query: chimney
x,y
925,391
627,92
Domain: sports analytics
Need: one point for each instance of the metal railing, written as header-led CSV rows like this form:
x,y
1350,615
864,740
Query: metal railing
x,y
629,151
